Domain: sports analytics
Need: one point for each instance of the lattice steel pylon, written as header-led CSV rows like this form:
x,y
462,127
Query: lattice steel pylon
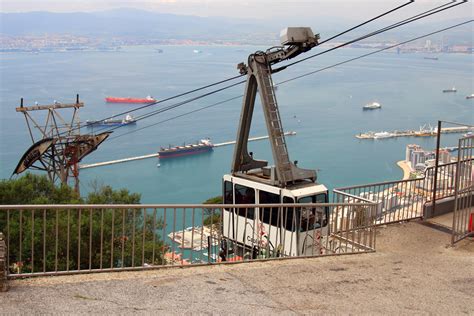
x,y
58,145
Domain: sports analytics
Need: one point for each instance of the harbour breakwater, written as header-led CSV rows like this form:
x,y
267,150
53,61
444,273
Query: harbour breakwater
x,y
415,133
155,155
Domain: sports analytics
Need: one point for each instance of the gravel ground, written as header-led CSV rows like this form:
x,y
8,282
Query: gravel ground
x,y
412,272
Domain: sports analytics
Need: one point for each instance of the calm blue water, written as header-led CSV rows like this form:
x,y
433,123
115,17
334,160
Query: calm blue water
x,y
327,106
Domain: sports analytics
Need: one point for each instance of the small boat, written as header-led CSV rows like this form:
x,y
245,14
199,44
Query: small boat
x,y
197,51
112,122
470,96
372,106
431,58
148,99
453,89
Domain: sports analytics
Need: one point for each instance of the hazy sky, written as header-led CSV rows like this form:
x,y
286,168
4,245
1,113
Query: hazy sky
x,y
239,8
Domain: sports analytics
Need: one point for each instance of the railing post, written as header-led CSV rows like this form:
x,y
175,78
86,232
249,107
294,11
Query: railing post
x,y
3,265
435,180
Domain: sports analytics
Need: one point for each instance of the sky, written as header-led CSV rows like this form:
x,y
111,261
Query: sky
x,y
350,9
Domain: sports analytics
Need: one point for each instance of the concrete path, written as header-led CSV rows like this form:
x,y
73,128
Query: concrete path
x,y
412,272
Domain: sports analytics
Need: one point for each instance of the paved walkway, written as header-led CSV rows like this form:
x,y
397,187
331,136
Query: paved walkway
x,y
412,272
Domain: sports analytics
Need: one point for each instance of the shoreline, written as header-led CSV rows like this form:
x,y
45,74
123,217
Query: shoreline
x,y
406,169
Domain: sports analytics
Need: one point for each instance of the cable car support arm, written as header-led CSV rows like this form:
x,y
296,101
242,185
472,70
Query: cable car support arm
x,y
259,75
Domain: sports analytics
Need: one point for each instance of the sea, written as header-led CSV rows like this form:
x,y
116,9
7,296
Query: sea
x,y
324,109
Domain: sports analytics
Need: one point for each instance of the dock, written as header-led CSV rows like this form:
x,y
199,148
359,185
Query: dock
x,y
195,238
156,155
414,133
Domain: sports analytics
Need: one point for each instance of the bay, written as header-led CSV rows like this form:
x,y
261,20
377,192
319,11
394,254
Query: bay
x,y
325,109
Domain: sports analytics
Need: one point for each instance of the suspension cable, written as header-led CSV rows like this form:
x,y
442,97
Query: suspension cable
x,y
382,30
177,116
374,52
422,15
170,107
235,77
161,101
298,77
364,23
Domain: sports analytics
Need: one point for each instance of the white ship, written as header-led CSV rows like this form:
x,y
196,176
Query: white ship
x,y
470,96
372,106
382,135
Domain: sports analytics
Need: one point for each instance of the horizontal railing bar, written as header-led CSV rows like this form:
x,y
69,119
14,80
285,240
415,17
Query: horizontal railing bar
x,y
141,206
353,196
156,267
442,166
378,184
349,241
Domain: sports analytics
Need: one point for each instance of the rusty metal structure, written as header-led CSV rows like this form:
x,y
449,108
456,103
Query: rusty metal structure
x,y
58,145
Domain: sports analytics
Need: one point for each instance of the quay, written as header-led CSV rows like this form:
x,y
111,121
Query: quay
x,y
155,155
414,133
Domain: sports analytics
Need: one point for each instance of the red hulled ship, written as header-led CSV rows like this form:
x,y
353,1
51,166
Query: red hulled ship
x,y
148,99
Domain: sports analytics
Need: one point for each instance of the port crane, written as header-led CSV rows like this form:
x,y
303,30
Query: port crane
x,y
253,181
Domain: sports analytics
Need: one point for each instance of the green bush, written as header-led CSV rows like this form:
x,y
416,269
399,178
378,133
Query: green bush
x,y
78,238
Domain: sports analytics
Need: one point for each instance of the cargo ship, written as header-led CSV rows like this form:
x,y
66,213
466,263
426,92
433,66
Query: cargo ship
x,y
112,122
202,146
453,89
148,99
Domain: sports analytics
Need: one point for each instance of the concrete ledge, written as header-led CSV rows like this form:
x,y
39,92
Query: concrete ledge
x,y
444,206
3,265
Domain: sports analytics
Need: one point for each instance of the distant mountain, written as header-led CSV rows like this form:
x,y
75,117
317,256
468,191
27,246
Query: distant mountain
x,y
126,23
141,24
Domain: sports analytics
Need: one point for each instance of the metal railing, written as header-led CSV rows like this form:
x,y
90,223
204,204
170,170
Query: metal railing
x,y
404,199
3,265
463,213
68,239
395,200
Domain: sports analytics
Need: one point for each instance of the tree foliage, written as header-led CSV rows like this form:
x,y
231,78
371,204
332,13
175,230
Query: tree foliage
x,y
34,189
212,216
72,239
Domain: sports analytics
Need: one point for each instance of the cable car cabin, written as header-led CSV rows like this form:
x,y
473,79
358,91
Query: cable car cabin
x,y
273,231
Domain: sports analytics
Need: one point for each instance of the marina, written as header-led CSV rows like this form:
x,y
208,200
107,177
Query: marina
x,y
195,238
155,155
414,133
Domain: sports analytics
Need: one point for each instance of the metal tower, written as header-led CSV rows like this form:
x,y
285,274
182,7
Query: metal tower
x,y
58,145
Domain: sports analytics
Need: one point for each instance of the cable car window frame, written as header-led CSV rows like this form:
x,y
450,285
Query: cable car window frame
x,y
244,198
288,217
317,224
228,197
269,215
